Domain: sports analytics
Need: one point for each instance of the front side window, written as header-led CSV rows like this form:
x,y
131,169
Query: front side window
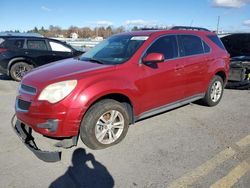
x,y
114,50
55,46
166,45
2,42
36,45
191,45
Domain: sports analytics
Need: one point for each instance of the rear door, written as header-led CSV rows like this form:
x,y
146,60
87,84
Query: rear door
x,y
192,53
59,50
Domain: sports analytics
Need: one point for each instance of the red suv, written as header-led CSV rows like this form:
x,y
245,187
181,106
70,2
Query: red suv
x,y
129,76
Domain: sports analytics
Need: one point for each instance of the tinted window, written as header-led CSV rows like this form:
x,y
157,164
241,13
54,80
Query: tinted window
x,y
191,45
217,41
206,47
55,46
37,45
166,45
15,43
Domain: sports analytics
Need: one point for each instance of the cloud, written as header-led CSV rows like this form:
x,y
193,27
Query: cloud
x,y
44,8
246,23
141,22
104,23
230,3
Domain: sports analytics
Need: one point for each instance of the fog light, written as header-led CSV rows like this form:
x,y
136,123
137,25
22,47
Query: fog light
x,y
51,125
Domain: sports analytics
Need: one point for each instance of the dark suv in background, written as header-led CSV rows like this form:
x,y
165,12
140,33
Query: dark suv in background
x,y
238,46
20,53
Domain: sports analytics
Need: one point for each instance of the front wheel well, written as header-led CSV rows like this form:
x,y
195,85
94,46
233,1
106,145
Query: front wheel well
x,y
122,99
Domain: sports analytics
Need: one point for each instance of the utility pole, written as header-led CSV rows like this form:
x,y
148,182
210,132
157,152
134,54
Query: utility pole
x,y
97,31
191,23
218,24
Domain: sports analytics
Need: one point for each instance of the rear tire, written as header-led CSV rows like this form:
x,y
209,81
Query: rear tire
x,y
104,124
214,92
19,69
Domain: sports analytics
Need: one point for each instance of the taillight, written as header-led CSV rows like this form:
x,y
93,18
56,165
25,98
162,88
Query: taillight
x,y
3,50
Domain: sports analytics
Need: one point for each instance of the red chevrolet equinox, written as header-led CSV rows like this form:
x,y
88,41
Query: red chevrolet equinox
x,y
128,77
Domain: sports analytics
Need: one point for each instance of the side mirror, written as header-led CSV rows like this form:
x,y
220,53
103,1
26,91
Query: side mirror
x,y
153,57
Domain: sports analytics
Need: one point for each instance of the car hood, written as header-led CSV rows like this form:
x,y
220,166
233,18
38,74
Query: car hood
x,y
62,70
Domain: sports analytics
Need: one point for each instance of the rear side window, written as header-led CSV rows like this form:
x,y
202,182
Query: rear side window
x,y
36,45
55,46
216,41
166,45
191,45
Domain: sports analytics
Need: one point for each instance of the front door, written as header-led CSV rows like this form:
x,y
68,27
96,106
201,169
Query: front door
x,y
163,82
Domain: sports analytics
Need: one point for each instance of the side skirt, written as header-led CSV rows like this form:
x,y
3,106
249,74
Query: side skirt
x,y
169,106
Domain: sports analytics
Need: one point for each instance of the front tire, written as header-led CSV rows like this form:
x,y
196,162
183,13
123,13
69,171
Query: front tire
x,y
214,92
105,124
19,69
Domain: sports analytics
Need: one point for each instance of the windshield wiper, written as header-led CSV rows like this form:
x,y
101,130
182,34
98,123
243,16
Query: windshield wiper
x,y
95,60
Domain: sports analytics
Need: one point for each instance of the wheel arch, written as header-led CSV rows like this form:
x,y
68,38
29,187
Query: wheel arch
x,y
18,59
120,97
222,74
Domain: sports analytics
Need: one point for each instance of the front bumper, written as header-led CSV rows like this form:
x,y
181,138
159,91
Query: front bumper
x,y
25,134
50,120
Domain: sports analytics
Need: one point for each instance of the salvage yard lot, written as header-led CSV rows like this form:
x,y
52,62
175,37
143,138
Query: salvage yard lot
x,y
192,145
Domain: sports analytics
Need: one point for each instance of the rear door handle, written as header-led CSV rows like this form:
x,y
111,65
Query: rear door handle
x,y
209,59
179,67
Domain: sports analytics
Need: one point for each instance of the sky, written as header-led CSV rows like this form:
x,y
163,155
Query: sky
x,y
24,15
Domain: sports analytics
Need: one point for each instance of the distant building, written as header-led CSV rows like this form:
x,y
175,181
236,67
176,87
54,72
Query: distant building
x,y
74,35
59,36
98,39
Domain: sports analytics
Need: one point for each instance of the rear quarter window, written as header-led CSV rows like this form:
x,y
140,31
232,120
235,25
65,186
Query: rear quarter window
x,y
215,39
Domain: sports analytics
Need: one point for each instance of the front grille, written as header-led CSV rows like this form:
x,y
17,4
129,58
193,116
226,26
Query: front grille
x,y
28,89
23,105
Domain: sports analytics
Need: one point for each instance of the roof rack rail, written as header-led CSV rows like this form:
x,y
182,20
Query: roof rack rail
x,y
21,34
148,28
189,28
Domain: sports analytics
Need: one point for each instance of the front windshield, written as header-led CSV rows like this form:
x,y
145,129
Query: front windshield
x,y
114,50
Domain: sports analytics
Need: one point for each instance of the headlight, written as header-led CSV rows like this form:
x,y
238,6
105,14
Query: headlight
x,y
57,91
